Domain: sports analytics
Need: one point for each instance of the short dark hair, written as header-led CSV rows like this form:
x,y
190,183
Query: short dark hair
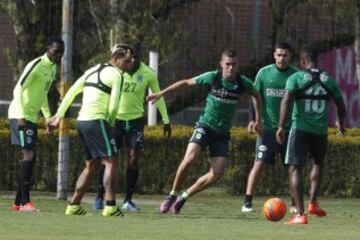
x,y
310,53
121,50
50,40
229,52
283,45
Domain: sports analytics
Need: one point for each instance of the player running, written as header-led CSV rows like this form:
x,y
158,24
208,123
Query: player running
x,y
212,130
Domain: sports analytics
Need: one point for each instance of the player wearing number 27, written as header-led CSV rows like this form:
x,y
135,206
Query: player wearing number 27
x,y
310,90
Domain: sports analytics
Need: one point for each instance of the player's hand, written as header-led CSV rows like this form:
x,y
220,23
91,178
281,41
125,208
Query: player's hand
x,y
167,129
153,97
21,122
48,129
54,121
258,128
341,130
280,135
251,126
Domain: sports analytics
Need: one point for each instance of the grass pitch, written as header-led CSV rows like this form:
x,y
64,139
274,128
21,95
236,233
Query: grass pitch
x,y
212,214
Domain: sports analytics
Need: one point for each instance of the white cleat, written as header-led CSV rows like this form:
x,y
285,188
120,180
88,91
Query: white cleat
x,y
246,208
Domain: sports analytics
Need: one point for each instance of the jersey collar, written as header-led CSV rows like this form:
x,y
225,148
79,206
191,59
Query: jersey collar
x,y
47,61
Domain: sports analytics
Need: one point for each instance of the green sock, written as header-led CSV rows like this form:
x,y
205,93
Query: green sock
x,y
185,195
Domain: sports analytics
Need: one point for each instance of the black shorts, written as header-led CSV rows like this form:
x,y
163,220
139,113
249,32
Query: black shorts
x,y
218,142
97,139
267,147
301,143
24,136
129,133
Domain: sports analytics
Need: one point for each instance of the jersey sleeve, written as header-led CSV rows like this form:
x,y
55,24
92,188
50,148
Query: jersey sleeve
x,y
160,104
75,89
333,86
28,75
115,97
205,78
249,87
45,108
258,81
291,83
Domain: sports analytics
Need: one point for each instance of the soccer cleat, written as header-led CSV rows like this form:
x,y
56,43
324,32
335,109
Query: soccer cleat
x,y
297,219
167,203
179,203
28,207
98,203
314,208
74,210
130,206
15,207
294,210
247,208
112,211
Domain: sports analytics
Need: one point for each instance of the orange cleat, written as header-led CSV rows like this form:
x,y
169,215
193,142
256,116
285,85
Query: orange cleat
x,y
314,208
28,207
15,207
297,219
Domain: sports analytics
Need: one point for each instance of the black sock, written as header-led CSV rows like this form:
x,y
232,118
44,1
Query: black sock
x,y
18,199
26,173
110,203
101,188
248,199
131,179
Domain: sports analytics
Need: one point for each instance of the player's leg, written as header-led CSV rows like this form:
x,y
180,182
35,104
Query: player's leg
x,y
318,148
295,157
192,152
266,147
134,143
282,150
26,137
111,166
119,135
218,148
84,180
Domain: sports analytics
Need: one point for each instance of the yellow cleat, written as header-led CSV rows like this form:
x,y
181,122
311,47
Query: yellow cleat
x,y
74,210
112,211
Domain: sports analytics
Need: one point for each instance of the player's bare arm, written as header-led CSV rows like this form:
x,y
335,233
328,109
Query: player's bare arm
x,y
257,101
284,111
179,85
341,112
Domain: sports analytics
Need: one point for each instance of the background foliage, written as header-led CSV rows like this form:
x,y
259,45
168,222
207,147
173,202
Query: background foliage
x,y
162,156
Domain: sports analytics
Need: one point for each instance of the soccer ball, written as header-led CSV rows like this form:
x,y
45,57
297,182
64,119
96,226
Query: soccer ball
x,y
274,209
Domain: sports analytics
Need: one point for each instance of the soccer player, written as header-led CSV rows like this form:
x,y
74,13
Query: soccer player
x,y
270,82
212,129
310,91
129,125
30,96
101,87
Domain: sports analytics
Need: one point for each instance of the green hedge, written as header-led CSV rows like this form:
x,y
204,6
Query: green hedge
x,y
161,157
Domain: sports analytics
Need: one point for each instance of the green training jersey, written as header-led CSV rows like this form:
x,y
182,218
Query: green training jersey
x,y
31,90
311,115
99,101
133,94
222,98
270,82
